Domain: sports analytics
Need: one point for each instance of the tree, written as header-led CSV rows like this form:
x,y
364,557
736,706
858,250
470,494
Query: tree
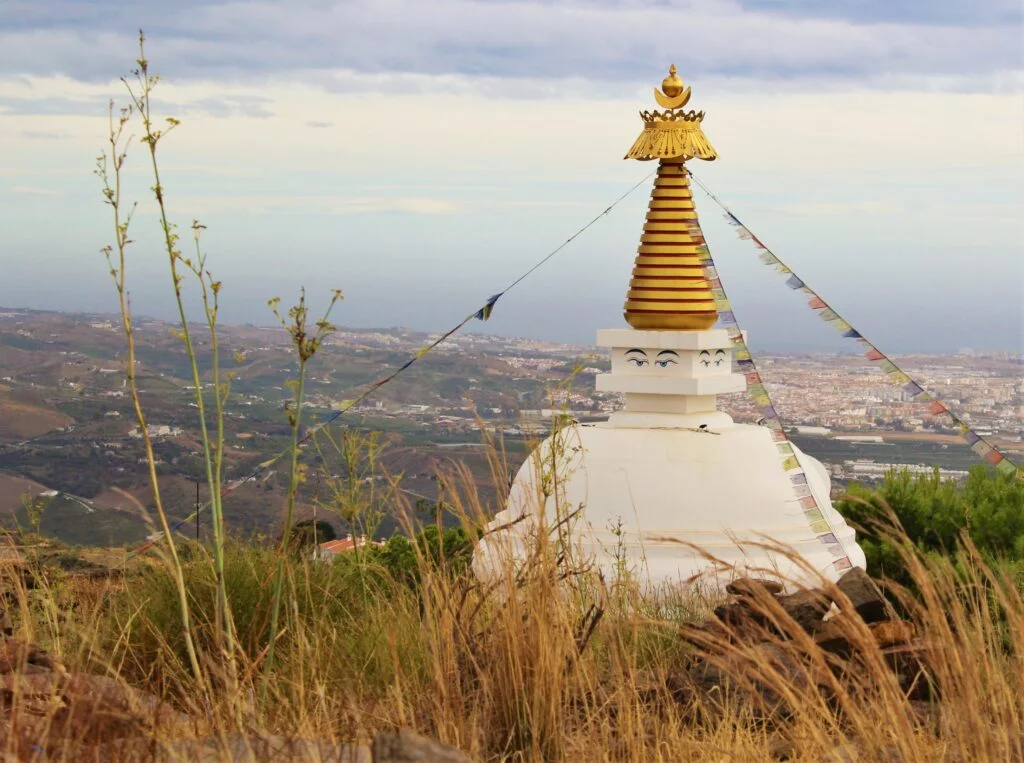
x,y
309,534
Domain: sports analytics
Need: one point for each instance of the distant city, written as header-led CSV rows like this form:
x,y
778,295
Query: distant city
x,y
67,426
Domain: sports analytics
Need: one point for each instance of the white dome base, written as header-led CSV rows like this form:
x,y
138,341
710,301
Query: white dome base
x,y
656,500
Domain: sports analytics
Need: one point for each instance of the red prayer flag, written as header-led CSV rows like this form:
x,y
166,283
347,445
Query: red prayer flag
x,y
994,457
817,303
874,354
937,408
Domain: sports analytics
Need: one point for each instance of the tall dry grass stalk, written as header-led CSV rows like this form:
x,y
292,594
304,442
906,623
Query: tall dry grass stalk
x,y
544,663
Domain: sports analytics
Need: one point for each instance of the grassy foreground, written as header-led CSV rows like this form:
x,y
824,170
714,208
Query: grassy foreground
x,y
550,663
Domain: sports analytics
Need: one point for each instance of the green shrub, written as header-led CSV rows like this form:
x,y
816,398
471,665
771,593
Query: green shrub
x,y
935,513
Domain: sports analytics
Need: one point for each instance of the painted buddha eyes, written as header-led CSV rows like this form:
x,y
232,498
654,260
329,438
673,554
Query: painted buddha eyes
x,y
707,360
663,359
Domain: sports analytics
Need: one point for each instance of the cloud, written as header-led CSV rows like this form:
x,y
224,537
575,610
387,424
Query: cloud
x,y
24,190
41,134
262,204
610,44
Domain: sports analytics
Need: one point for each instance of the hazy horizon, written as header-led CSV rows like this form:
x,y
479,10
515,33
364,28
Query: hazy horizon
x,y
420,158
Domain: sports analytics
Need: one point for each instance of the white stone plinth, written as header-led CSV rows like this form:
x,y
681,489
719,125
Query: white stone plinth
x,y
674,496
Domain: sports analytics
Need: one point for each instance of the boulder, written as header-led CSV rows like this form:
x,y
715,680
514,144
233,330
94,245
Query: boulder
x,y
865,596
56,709
405,746
246,748
748,677
18,656
752,587
807,608
892,632
910,663
834,637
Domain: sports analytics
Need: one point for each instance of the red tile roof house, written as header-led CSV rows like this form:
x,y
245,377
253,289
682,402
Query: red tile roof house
x,y
327,550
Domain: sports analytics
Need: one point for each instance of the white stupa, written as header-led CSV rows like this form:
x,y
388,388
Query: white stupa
x,y
670,482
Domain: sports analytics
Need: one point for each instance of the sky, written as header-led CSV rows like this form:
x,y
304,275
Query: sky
x,y
420,156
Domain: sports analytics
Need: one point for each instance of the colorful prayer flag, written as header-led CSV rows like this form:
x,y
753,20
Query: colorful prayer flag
x,y
969,436
1006,466
913,388
982,448
798,479
485,312
874,354
829,539
794,283
820,526
853,334
937,408
889,367
790,463
817,303
994,457
828,314
785,449
842,564
727,318
813,512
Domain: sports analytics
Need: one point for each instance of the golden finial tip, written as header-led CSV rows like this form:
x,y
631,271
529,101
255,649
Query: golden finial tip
x,y
672,85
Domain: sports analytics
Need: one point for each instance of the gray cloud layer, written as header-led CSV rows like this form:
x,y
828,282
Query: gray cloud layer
x,y
612,41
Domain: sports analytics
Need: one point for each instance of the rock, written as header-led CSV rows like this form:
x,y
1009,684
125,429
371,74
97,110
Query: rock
x,y
705,635
249,748
17,656
910,664
865,596
748,677
807,608
55,708
834,637
891,632
405,746
740,619
752,587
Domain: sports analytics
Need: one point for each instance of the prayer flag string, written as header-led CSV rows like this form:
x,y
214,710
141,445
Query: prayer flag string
x,y
744,363
980,445
482,314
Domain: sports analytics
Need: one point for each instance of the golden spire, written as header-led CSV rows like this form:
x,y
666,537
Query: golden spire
x,y
668,289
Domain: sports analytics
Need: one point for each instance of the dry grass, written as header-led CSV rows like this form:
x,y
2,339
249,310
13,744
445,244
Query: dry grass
x,y
550,663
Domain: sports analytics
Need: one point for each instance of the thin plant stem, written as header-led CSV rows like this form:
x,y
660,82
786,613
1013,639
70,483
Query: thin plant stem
x,y
306,345
112,194
151,138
